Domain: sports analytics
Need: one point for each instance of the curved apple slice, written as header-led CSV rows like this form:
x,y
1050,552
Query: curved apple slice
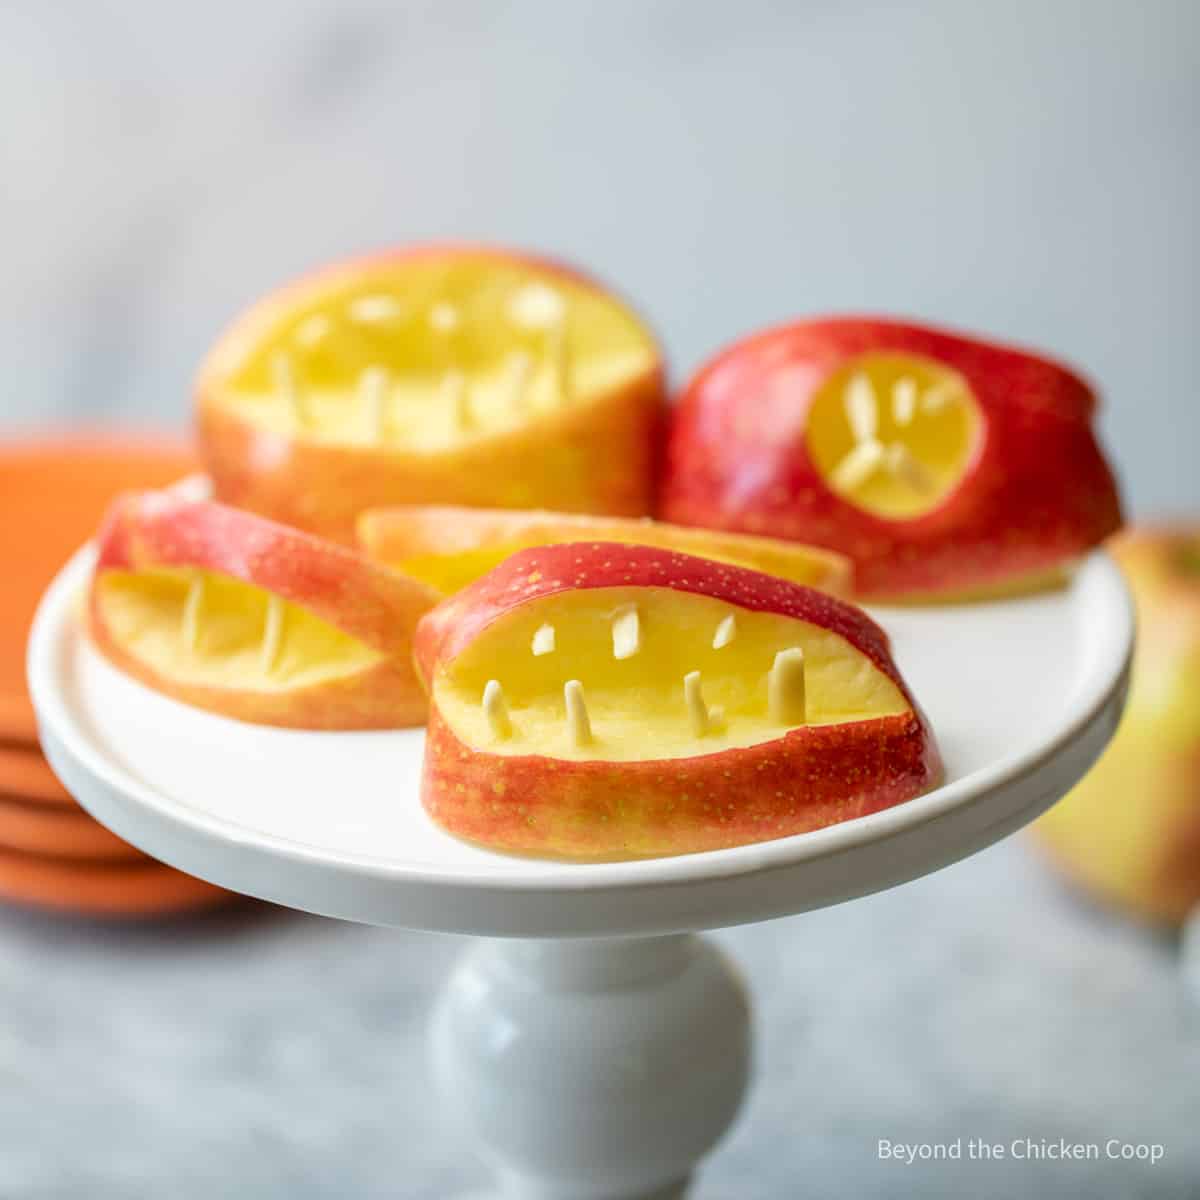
x,y
942,465
253,620
599,700
448,546
445,374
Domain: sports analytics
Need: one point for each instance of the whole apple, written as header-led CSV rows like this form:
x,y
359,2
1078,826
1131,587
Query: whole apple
x,y
1129,833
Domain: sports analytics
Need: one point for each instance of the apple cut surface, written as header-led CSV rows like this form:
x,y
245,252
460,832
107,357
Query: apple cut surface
x,y
942,465
443,374
449,546
253,620
600,700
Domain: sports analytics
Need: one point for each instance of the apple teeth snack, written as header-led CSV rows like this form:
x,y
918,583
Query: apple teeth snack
x,y
231,612
443,374
448,546
604,701
942,465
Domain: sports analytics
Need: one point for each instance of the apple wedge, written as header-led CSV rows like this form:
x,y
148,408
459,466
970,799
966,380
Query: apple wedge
x,y
604,701
942,465
230,612
449,547
437,374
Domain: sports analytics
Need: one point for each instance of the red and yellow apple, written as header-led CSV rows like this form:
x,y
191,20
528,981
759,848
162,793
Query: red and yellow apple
x,y
437,374
599,700
231,612
449,547
1130,831
942,465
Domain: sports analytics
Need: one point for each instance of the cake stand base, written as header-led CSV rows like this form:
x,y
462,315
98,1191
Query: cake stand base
x,y
593,1070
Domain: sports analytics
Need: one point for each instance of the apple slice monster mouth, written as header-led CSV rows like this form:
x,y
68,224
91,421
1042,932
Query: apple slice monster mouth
x,y
449,374
638,673
250,619
598,700
430,351
204,628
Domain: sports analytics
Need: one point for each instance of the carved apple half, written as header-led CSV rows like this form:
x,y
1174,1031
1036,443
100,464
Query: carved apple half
x,y
941,465
251,619
436,374
599,700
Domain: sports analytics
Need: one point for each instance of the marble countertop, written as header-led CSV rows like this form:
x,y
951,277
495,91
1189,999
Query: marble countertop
x,y
266,1053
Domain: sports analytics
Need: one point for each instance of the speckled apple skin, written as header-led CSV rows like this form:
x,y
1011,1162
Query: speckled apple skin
x,y
539,805
599,457
1036,493
378,607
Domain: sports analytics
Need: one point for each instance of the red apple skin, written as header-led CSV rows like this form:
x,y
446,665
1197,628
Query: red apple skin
x,y
533,804
1037,493
577,460
379,608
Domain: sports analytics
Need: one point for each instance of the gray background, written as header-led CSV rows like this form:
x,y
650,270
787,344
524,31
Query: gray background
x,y
1028,169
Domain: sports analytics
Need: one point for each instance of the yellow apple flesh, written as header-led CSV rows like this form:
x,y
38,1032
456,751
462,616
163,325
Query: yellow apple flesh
x,y
442,374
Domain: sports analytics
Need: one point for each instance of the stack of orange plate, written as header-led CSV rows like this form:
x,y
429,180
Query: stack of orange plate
x,y
53,493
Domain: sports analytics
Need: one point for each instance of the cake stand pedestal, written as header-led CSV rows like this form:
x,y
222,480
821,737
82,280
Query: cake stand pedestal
x,y
597,1048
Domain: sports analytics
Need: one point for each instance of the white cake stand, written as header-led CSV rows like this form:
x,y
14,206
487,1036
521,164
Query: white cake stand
x,y
607,1050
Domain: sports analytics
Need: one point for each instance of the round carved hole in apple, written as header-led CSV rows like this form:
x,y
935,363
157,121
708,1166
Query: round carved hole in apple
x,y
893,433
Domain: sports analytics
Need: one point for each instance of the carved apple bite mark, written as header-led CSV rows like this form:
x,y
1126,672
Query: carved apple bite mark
x,y
512,381
375,386
283,377
579,725
227,611
452,392
693,697
191,611
272,642
444,319
726,631
313,330
495,708
543,640
786,694
862,409
518,369
799,721
371,310
626,632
